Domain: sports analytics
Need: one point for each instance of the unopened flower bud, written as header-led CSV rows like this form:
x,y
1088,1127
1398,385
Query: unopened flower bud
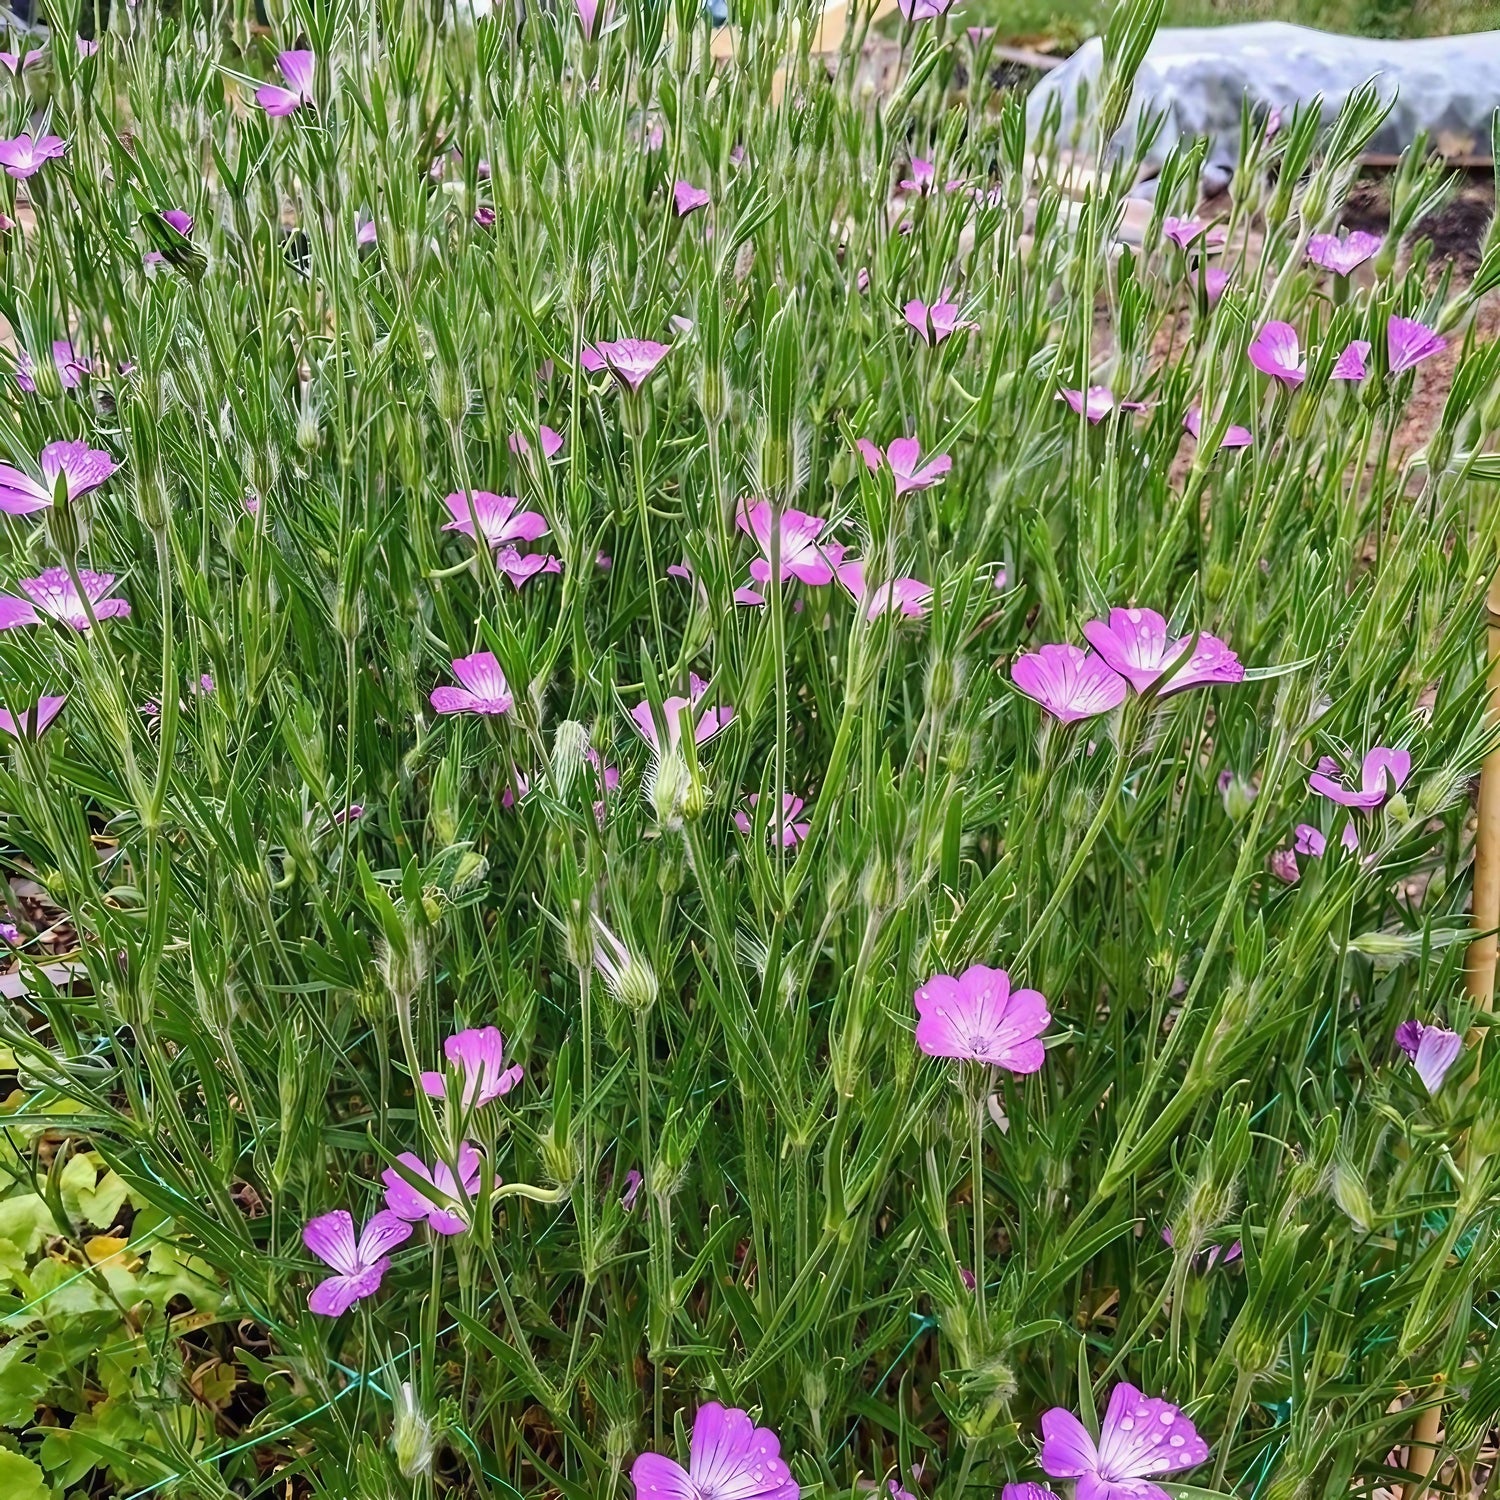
x,y
668,785
570,743
1351,1195
412,1438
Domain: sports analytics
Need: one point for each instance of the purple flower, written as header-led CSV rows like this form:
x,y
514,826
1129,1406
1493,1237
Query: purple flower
x,y
1028,1489
924,10
519,566
978,1017
893,1487
70,368
442,1204
297,68
34,721
792,832
87,48
633,1181
801,556
589,13
1342,256
360,1262
1135,644
54,596
551,444
1275,352
935,323
484,216
484,690
1070,683
689,198
22,155
480,1056
82,467
1097,402
180,220
905,459
609,780
1284,866
501,521
712,721
1140,1436
629,360
10,933
1350,365
1309,840
1211,1255
906,596
520,781
1214,281
1381,776
1184,231
14,63
1409,342
923,174
365,232
968,1278
1432,1049
1234,437
731,1459
351,814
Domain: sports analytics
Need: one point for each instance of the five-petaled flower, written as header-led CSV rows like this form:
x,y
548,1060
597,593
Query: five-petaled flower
x,y
1432,1050
1341,256
730,1459
53,595
1409,342
978,1017
905,596
484,690
445,1200
710,722
1141,1436
478,1054
24,155
1381,776
1097,402
1138,645
1350,365
499,518
34,720
801,555
628,360
1070,683
792,832
1234,437
298,69
688,198
80,467
904,458
359,1261
936,322
1274,351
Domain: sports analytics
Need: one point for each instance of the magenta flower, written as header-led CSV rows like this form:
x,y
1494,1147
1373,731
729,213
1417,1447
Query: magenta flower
x,y
924,10
629,360
522,785
1274,351
689,198
34,721
792,832
519,566
1309,840
11,934
70,369
633,1181
978,1017
484,690
298,69
479,1054
905,459
365,231
83,468
1381,776
1342,256
711,722
906,596
441,1203
1136,645
14,63
1234,437
1409,342
609,781
731,1459
1432,1050
87,47
801,556
551,444
1028,1489
351,814
1070,683
1284,866
1140,1436
1182,232
54,596
24,156
937,322
590,13
359,1261
1097,403
501,521
1231,1254
1214,281
180,220
1350,365
923,175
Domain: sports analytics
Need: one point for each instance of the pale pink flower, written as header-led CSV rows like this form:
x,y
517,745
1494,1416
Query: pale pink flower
x,y
551,442
792,832
1342,255
1409,342
13,62
730,1459
1234,437
801,556
54,596
24,155
484,690
905,596
629,360
1382,774
923,175
1028,1489
924,10
688,198
603,561
1274,351
34,720
1140,1436
365,231
478,1054
935,323
501,520
904,457
1433,1051
359,1262
978,1017
1097,403
1213,281
82,468
1284,866
1350,365
298,69
1182,232
1136,644
520,566
590,12
447,1199
709,723
87,47
862,279
1070,683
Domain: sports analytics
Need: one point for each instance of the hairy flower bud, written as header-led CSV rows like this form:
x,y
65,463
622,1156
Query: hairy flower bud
x,y
412,1437
1349,1192
667,785
570,743
627,975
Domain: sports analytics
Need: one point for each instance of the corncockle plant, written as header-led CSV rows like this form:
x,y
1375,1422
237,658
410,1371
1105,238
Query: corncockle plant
x,y
1070,683
1382,774
360,1260
1351,363
25,155
1140,1436
1432,1049
440,1196
904,459
730,1459
1344,254
484,690
299,70
938,321
1138,644
1097,403
56,595
1274,351
478,1057
904,596
80,467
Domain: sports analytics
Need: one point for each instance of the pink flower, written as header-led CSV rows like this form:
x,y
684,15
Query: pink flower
x,y
906,596
1342,255
589,13
629,360
484,690
801,556
923,174
81,467
365,232
53,596
1182,232
689,198
479,1055
14,63
442,1203
1234,437
1140,1436
484,216
978,1017
351,814
519,566
968,1278
1136,645
522,784
180,220
1284,866
11,934
937,322
360,1263
731,1459
862,279
1275,352
633,1181
298,69
749,598
792,832
500,518
603,561
23,155
1097,403
86,47
1432,1049
711,722
1214,281
1231,1254
1028,1489
551,444
1350,365
70,368
1309,840
1070,683
609,781
34,721
896,1490
904,458
979,34
1382,775
1409,342
924,10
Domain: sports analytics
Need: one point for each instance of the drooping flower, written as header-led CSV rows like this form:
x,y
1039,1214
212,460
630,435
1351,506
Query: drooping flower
x,y
801,556
479,1054
906,596
1097,402
54,596
34,720
1213,281
1342,256
1234,437
1382,774
709,724
82,467
501,520
688,198
441,1204
298,69
1135,644
519,566
730,1459
359,1261
1274,351
1432,1050
629,360
904,456
935,323
24,155
1140,1436
1182,232
180,220
551,443
792,832
633,1181
1350,365
1409,342
1070,683
978,1017
351,814
923,175
484,690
